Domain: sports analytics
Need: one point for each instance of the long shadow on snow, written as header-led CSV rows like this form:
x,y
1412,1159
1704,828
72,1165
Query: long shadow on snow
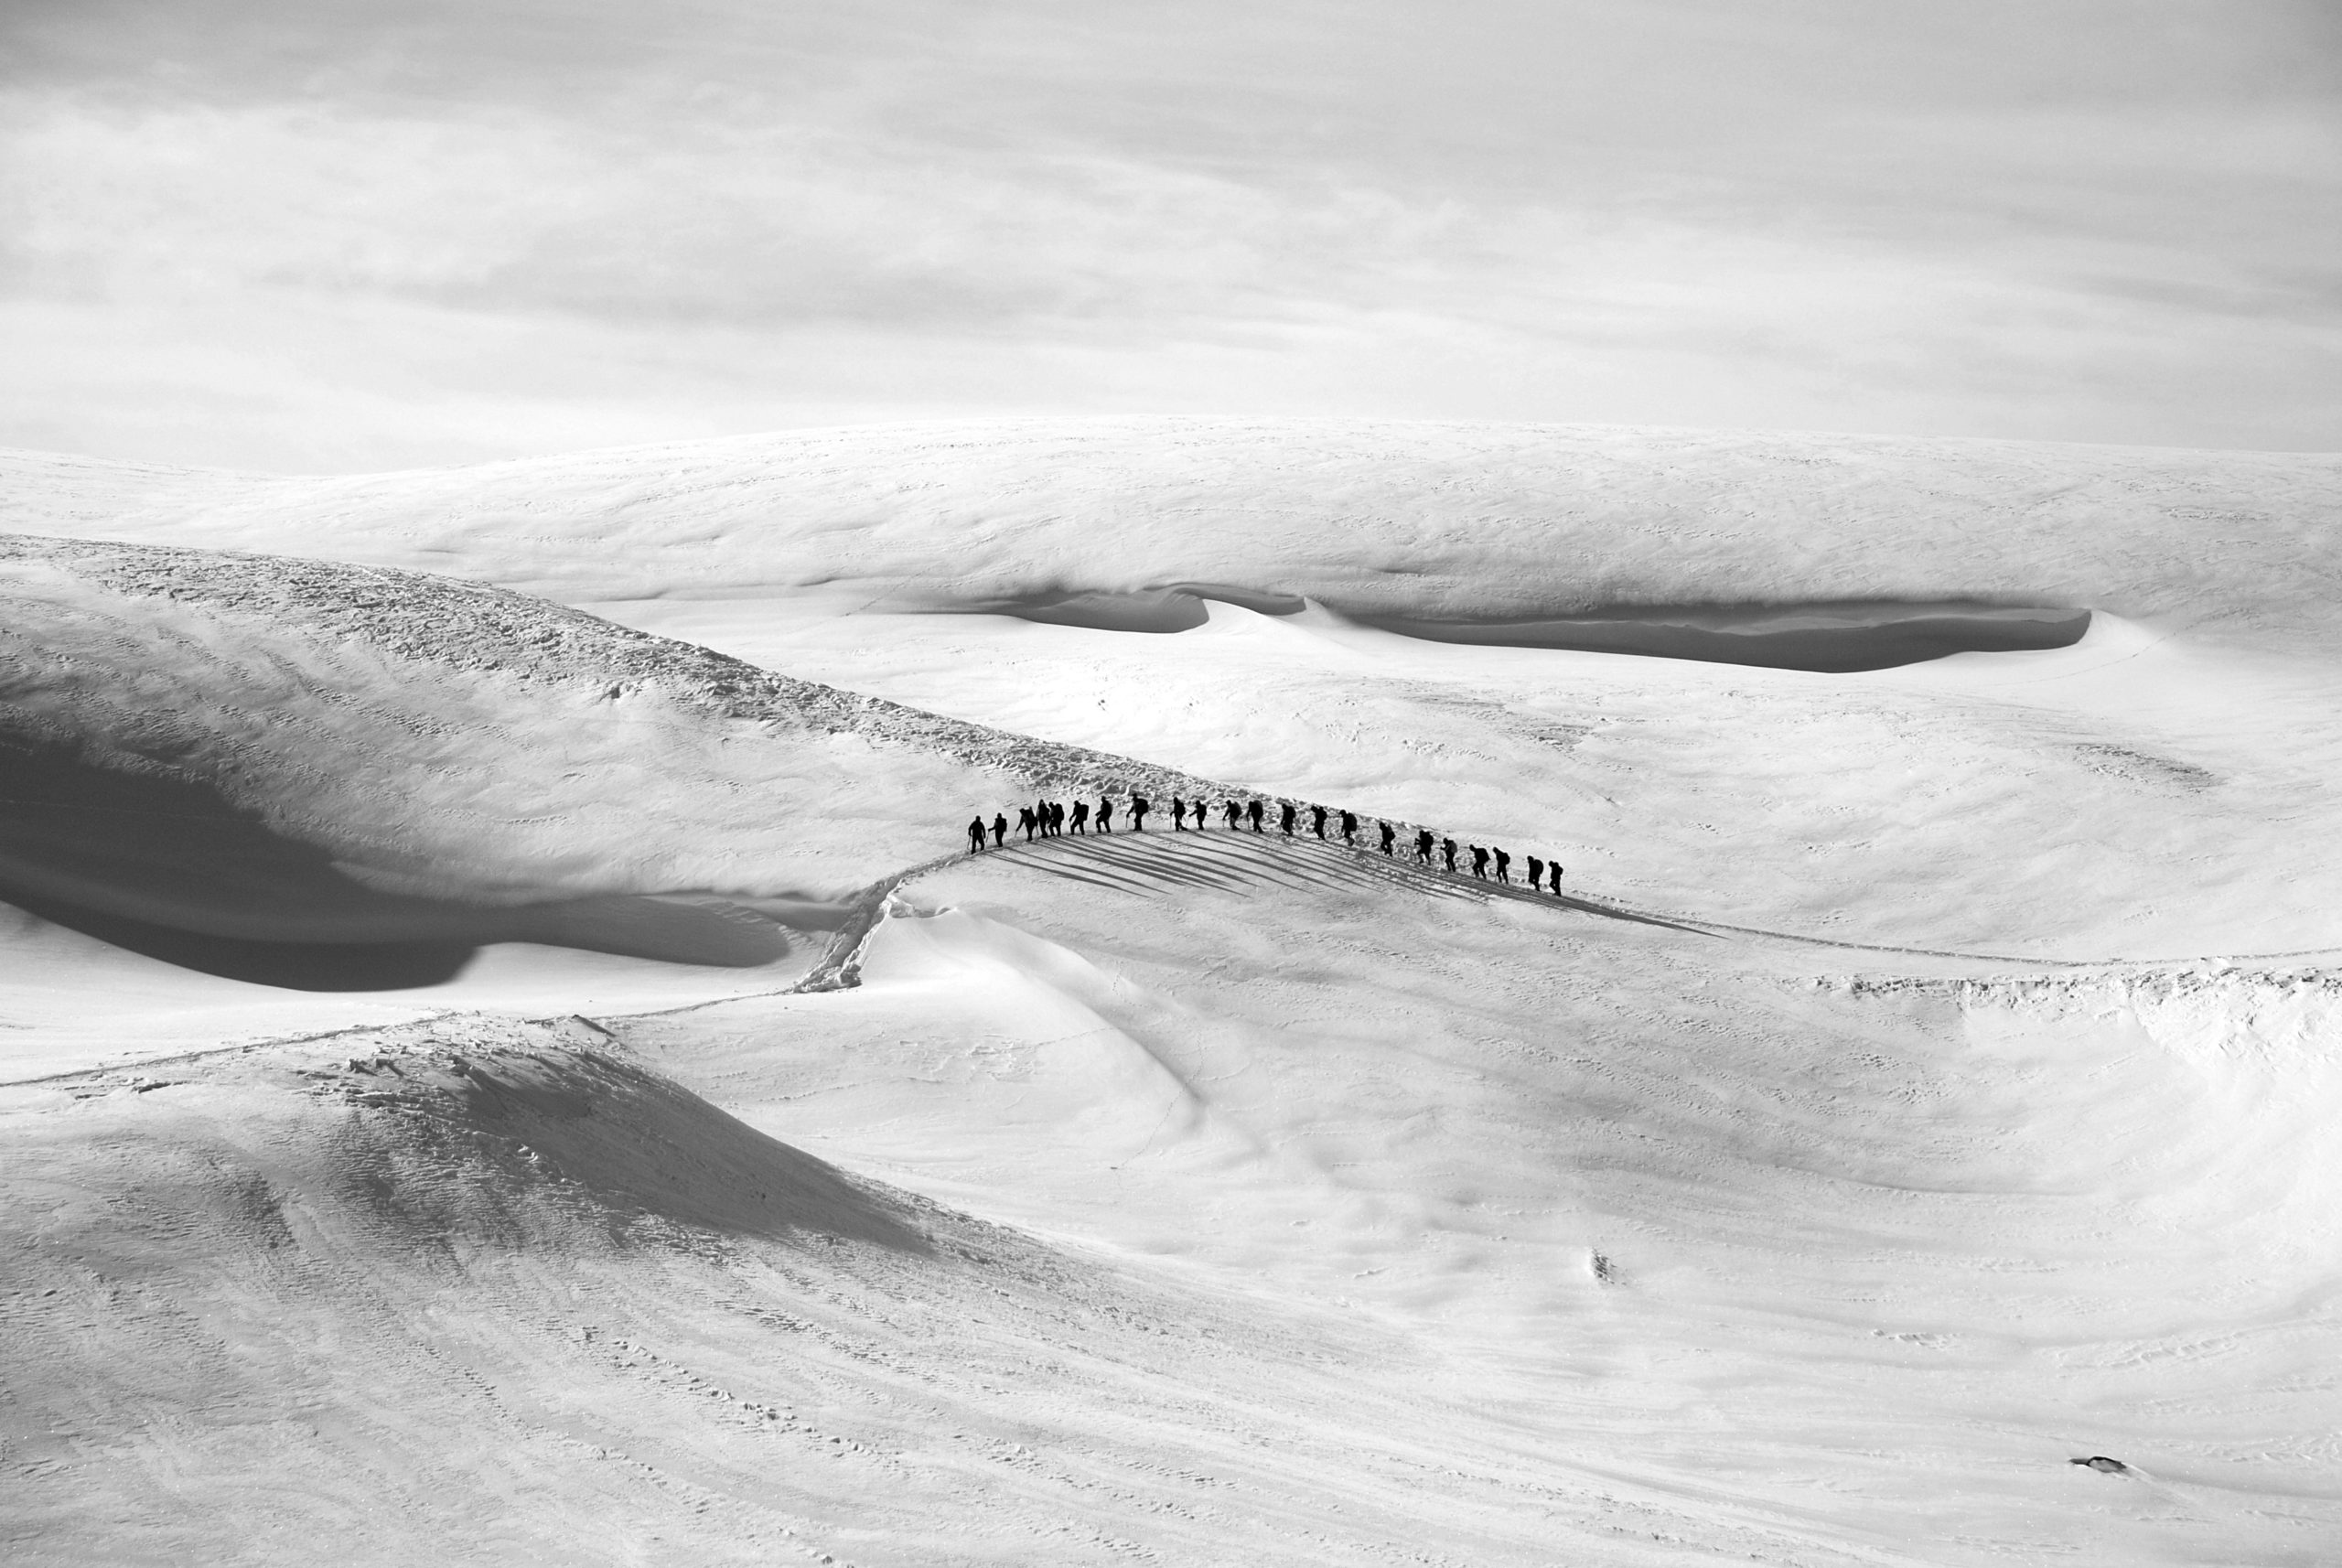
x,y
1239,861
1223,863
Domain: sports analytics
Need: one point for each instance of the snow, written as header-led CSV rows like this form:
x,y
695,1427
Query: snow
x,y
1472,521
1931,1080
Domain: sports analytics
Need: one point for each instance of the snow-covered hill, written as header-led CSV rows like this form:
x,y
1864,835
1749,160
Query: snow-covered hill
x,y
262,748
1929,1081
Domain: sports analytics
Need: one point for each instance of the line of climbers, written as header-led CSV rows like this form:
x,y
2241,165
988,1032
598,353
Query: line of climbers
x,y
1051,819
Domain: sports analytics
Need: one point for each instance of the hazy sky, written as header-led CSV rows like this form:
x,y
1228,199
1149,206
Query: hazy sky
x,y
319,234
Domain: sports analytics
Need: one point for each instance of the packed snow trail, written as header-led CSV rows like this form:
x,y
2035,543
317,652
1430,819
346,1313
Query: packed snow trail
x,y
1147,863
1138,862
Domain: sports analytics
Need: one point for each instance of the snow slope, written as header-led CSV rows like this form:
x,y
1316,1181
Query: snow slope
x,y
1342,1218
271,749
1933,1082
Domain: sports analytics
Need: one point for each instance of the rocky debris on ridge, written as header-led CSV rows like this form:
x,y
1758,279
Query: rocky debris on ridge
x,y
2179,980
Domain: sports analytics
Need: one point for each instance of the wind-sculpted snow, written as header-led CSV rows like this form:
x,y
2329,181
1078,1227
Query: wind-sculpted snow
x,y
1470,1229
1907,1139
1434,523
262,748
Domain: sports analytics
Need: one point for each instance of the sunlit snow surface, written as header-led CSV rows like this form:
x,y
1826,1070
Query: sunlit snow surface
x,y
1208,1198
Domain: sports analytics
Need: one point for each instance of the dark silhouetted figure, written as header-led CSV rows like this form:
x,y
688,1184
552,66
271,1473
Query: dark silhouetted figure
x,y
1318,820
1139,807
999,829
1480,863
1234,813
1201,820
1447,848
1178,814
1422,845
1504,868
1025,820
976,835
1081,818
1254,811
1057,819
1554,871
1041,814
1536,872
1349,827
1105,815
1284,818
1390,837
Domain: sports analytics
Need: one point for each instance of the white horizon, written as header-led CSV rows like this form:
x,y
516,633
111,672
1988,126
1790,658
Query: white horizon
x,y
265,237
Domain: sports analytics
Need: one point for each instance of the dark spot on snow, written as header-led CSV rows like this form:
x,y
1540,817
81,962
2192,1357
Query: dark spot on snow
x,y
1179,606
2099,1462
1831,638
1253,600
2142,767
1153,610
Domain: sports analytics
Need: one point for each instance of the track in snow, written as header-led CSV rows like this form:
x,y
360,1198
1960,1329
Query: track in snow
x,y
1151,864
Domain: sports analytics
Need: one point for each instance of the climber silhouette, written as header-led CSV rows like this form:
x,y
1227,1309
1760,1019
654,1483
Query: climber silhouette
x,y
1139,807
1234,812
1536,872
1554,871
1057,819
1105,814
1422,845
1349,826
1254,811
1178,815
1318,820
1390,837
1480,863
999,829
1284,818
1025,820
976,836
1504,868
1081,818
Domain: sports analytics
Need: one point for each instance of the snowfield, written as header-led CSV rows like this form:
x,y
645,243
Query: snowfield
x,y
502,1057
